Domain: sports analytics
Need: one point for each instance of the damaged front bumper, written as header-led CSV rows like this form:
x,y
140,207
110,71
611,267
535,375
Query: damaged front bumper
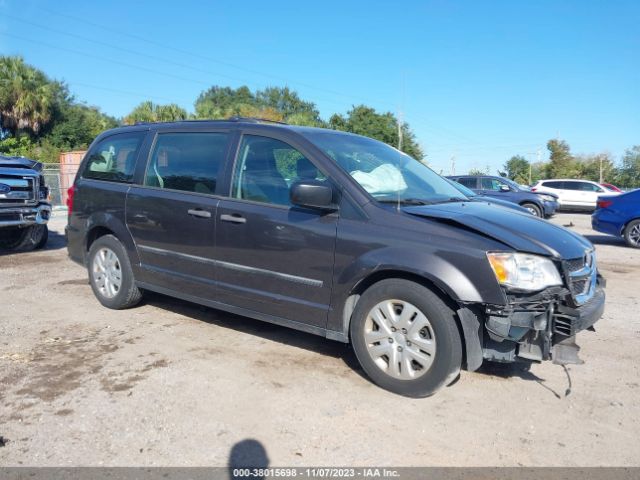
x,y
25,216
531,328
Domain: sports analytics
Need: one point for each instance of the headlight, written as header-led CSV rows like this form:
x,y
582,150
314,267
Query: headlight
x,y
547,198
522,271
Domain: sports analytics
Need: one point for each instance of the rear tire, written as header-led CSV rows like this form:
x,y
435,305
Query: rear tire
x,y
632,234
533,208
110,274
406,338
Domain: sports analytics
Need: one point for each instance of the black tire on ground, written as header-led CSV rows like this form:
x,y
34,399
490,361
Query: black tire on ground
x,y
446,362
23,239
533,208
128,294
43,240
632,233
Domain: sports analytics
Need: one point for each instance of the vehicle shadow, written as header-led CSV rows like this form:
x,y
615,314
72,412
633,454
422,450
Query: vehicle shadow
x,y
606,240
258,328
56,241
520,370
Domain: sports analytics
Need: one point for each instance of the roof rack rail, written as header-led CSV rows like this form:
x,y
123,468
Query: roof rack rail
x,y
236,118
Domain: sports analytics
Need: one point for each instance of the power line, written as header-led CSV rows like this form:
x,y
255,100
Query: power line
x,y
418,120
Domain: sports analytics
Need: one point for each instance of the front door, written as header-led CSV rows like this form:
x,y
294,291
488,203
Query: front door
x,y
274,258
172,215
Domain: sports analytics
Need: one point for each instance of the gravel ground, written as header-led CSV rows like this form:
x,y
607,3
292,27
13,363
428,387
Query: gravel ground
x,y
171,383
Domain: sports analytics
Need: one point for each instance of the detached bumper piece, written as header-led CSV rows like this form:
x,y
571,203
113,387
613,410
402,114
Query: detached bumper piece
x,y
541,327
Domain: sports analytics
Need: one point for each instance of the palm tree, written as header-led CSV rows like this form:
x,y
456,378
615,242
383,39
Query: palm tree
x,y
27,96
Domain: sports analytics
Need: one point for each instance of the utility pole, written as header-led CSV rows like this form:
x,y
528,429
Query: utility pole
x,y
538,156
453,164
400,130
600,157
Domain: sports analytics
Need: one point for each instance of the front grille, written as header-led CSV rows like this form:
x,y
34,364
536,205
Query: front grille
x,y
581,277
17,190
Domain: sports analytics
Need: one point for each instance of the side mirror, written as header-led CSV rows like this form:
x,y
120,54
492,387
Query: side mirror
x,y
504,188
312,194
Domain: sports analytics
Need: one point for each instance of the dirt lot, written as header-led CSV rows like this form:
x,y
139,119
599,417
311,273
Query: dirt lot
x,y
170,383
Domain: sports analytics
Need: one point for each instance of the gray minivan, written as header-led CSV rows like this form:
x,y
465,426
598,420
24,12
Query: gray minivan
x,y
333,234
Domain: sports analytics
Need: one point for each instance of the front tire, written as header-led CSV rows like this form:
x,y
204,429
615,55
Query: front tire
x,y
632,234
406,338
533,209
110,274
24,239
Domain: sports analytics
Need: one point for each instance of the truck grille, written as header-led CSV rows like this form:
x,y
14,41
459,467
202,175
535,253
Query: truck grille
x,y
581,276
17,190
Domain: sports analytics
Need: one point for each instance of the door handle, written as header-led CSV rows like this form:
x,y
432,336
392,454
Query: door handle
x,y
196,212
235,218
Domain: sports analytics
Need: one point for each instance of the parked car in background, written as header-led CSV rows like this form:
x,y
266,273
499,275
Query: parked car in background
x,y
24,206
611,187
573,194
364,244
474,197
539,204
619,215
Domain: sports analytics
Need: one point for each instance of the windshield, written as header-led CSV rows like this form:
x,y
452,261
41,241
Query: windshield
x,y
513,184
387,174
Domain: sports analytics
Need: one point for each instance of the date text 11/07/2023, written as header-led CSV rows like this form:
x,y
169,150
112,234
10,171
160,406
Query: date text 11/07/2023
x,y
315,473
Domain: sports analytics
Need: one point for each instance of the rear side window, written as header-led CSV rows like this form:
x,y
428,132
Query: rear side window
x,y
187,161
114,158
557,185
491,184
589,187
468,182
571,186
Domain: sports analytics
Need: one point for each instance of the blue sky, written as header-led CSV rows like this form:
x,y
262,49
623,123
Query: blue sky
x,y
478,80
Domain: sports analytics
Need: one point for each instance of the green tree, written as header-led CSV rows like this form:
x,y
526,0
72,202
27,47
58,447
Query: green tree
x,y
27,96
224,102
364,120
561,162
78,125
151,112
589,167
288,103
478,171
628,173
517,169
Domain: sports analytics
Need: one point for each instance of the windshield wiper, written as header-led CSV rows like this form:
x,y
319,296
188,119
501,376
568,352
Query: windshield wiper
x,y
452,200
405,201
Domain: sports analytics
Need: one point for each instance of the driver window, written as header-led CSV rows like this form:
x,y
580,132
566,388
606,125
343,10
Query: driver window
x,y
266,168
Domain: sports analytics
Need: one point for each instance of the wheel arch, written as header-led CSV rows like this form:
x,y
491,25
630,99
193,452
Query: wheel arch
x,y
471,342
105,224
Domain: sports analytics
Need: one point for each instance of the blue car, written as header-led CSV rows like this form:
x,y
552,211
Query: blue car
x,y
539,204
620,216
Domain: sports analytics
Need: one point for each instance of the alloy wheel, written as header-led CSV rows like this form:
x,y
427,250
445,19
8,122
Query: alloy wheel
x,y
107,272
400,339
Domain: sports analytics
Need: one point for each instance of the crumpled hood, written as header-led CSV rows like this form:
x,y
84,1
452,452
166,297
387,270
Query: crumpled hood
x,y
520,231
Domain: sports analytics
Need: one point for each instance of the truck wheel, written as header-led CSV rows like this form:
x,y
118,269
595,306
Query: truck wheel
x,y
406,338
11,238
533,208
43,240
24,239
110,274
632,234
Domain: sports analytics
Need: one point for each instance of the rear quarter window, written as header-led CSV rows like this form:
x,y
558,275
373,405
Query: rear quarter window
x,y
114,158
557,185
